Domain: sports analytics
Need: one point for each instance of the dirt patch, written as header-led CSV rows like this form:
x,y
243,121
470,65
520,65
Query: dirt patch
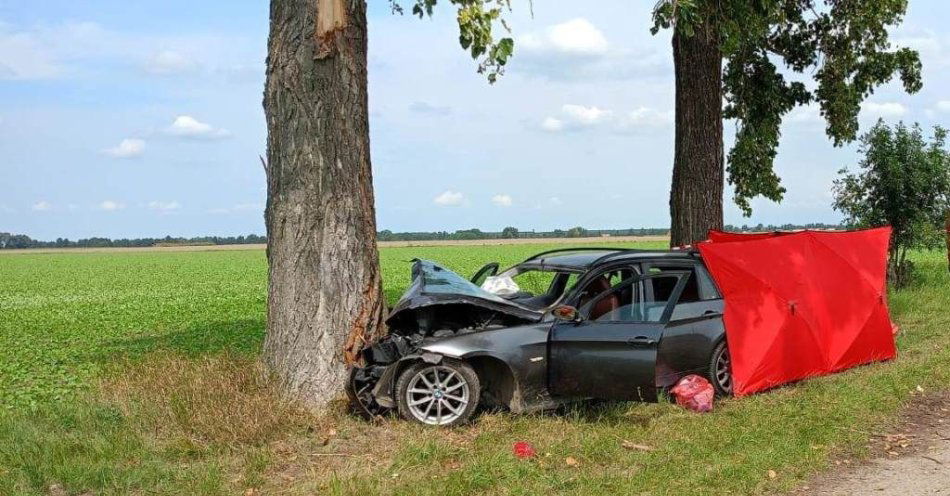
x,y
913,458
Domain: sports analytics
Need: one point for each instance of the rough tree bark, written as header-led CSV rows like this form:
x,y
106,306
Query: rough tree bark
x,y
324,287
696,192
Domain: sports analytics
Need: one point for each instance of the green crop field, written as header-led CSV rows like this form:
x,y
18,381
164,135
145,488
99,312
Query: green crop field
x,y
135,373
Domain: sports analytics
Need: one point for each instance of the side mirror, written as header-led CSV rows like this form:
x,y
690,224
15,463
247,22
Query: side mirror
x,y
566,312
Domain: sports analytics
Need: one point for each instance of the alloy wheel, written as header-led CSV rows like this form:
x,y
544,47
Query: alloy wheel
x,y
437,395
724,371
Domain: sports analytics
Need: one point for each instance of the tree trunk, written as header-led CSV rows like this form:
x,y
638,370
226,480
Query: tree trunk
x,y
696,193
324,287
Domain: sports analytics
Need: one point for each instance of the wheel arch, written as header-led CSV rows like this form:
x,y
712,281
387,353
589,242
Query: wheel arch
x,y
497,380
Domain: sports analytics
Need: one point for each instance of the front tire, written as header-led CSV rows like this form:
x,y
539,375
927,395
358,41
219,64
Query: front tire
x,y
359,390
444,394
720,370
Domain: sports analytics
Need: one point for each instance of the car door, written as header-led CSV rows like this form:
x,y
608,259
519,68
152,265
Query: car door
x,y
695,326
613,355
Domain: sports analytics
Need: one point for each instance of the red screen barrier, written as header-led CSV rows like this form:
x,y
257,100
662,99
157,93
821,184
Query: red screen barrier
x,y
801,304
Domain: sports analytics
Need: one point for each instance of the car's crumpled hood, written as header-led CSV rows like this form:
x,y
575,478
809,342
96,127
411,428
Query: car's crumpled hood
x,y
434,285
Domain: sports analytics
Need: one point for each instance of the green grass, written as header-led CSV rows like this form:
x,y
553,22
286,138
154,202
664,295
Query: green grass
x,y
70,321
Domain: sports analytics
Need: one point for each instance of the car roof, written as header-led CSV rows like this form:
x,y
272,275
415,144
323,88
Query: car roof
x,y
582,259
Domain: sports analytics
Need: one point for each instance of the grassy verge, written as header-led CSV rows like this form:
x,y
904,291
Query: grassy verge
x,y
137,375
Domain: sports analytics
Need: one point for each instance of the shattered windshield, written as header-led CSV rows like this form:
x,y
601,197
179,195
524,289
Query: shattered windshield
x,y
439,280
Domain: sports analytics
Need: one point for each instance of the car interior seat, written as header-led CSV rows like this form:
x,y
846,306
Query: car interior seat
x,y
604,305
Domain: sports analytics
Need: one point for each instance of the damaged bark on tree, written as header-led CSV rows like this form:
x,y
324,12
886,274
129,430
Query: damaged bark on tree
x,y
325,296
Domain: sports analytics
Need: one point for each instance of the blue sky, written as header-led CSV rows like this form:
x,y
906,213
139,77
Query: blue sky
x,y
143,118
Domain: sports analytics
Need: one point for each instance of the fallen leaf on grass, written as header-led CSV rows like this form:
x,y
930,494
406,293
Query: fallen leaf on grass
x,y
633,446
571,461
772,474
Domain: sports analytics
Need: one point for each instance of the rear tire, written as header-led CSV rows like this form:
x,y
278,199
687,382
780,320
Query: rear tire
x,y
720,370
444,394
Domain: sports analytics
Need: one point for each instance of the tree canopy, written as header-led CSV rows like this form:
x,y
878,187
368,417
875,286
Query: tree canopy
x,y
844,47
903,181
476,19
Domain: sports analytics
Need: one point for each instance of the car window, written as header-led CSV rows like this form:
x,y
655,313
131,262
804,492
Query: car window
x,y
637,300
699,286
534,281
539,289
538,282
602,284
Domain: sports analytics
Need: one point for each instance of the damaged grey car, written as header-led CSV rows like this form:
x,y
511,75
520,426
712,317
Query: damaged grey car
x,y
564,325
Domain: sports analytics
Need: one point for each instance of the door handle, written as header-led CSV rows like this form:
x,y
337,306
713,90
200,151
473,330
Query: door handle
x,y
641,341
711,312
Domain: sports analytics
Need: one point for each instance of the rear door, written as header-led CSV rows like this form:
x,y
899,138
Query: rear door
x,y
612,354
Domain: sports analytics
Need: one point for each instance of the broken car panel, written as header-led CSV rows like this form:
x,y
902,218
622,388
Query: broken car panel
x,y
596,323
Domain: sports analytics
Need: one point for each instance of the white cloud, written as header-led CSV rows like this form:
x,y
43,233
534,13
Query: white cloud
x,y
238,208
427,108
186,126
574,117
884,109
927,42
943,105
577,117
449,198
577,50
805,114
584,115
127,148
552,124
111,206
50,51
23,56
576,37
501,200
42,206
168,62
164,207
71,49
645,117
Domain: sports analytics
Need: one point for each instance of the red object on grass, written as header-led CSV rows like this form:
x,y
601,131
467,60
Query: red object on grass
x,y
801,304
523,449
694,392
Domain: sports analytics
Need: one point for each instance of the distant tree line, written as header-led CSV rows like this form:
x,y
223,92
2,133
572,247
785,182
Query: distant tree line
x,y
14,241
515,233
784,227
